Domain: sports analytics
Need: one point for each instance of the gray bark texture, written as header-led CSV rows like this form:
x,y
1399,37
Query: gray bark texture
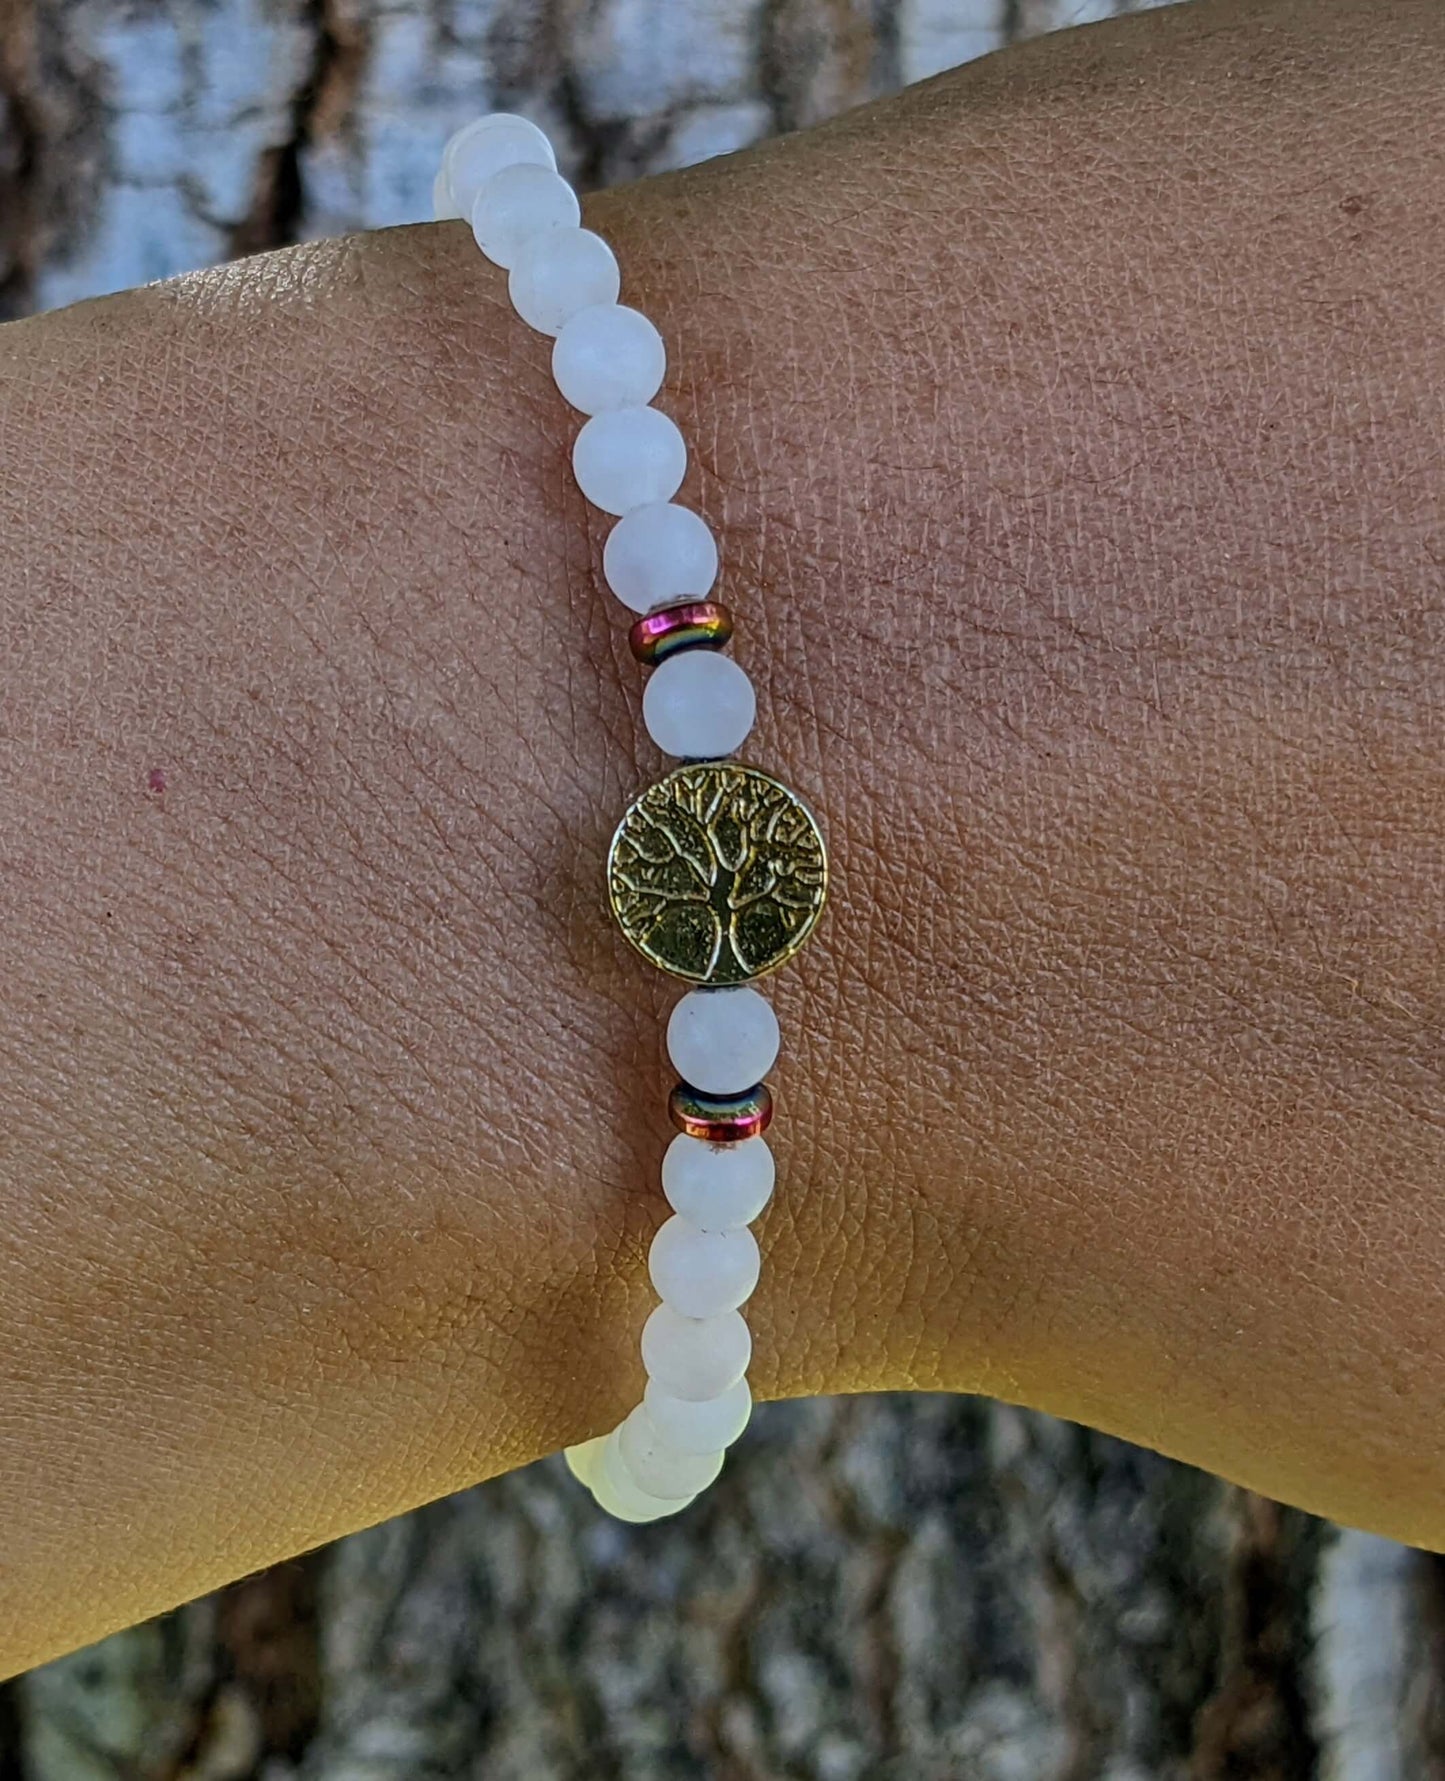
x,y
884,1589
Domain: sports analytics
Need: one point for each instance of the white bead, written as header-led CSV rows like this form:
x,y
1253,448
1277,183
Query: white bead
x,y
628,456
582,1459
617,1492
658,554
659,1468
722,1041
692,1357
519,202
443,208
473,155
559,272
699,1426
608,357
459,139
453,142
703,1273
699,705
718,1186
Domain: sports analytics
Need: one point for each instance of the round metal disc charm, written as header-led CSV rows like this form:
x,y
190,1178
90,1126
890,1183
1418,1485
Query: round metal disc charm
x,y
717,873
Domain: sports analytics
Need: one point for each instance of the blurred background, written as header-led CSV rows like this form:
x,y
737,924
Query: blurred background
x,y
878,1589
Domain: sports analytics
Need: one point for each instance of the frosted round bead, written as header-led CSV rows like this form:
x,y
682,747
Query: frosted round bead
x,y
723,1040
699,706
519,202
659,554
474,155
582,1459
628,457
559,272
442,186
699,1426
460,140
659,1468
608,357
618,1492
718,1186
702,1273
443,207
692,1357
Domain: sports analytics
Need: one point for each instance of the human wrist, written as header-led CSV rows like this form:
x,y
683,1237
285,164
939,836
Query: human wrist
x,y
1078,605
1091,634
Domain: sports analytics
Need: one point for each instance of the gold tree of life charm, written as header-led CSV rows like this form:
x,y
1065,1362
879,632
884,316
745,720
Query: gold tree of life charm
x,y
717,873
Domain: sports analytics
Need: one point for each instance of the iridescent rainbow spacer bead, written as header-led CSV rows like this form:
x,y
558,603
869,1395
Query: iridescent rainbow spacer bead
x,y
721,1119
691,624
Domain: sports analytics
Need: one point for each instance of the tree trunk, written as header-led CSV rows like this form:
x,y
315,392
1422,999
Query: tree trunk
x,y
910,1587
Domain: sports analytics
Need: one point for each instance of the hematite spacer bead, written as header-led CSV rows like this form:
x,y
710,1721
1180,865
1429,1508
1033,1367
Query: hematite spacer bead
x,y
721,1119
691,624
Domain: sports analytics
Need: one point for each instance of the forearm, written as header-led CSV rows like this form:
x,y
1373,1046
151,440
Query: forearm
x,y
1071,428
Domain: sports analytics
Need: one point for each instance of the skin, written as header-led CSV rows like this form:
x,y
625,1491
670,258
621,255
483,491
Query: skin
x,y
1071,426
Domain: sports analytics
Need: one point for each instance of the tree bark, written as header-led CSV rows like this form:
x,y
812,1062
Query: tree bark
x,y
914,1587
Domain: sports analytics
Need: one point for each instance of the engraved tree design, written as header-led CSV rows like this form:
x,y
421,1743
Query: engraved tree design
x,y
717,873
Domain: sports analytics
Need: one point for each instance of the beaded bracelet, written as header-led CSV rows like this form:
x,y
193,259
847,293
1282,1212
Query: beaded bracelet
x,y
717,873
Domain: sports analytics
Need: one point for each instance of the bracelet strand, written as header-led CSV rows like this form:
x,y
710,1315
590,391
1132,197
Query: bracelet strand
x,y
717,873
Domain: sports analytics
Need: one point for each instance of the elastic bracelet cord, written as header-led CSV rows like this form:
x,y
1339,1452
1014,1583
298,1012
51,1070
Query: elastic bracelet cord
x,y
717,873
